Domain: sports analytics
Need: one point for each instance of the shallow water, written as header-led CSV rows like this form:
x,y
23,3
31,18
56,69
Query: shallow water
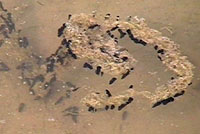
x,y
39,21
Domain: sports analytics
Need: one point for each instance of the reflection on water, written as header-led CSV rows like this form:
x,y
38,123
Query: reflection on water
x,y
58,109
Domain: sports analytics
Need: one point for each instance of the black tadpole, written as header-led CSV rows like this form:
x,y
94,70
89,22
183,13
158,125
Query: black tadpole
x,y
110,34
156,104
106,107
161,51
179,94
112,80
124,58
121,106
93,26
130,34
164,102
91,109
117,18
130,99
71,53
107,16
87,65
108,93
155,47
98,70
114,28
159,58
69,16
131,86
65,43
125,74
168,100
190,83
122,34
103,50
112,107
135,39
102,73
61,29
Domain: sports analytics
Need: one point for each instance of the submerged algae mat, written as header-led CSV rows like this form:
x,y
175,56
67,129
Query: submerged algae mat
x,y
91,37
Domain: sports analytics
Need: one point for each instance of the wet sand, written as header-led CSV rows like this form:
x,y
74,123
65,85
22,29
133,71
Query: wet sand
x,y
39,21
